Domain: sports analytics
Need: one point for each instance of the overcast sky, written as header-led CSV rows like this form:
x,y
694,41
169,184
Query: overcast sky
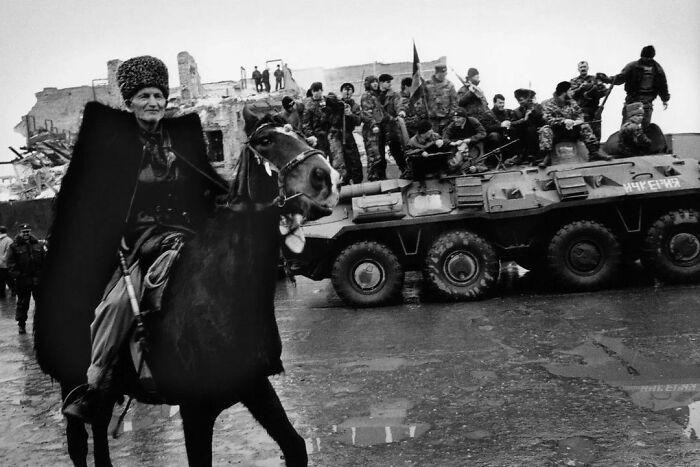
x,y
513,43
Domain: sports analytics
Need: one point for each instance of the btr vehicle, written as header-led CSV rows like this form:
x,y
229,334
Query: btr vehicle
x,y
577,223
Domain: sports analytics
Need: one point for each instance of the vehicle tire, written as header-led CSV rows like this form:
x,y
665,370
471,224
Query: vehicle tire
x,y
671,247
460,265
583,255
367,274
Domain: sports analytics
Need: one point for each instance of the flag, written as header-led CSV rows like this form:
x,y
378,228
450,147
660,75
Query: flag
x,y
417,86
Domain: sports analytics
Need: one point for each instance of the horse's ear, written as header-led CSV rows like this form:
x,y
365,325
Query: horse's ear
x,y
251,120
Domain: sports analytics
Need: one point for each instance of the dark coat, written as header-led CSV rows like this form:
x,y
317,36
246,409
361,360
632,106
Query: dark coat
x,y
24,260
632,75
89,220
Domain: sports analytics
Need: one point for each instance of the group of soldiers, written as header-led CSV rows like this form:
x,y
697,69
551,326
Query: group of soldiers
x,y
435,117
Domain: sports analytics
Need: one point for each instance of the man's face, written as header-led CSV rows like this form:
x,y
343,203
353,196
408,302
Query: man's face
x,y
522,101
290,107
316,95
374,85
460,120
440,75
148,105
499,104
583,69
385,85
25,233
347,92
475,80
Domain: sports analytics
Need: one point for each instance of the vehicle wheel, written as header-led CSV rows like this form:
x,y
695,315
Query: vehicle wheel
x,y
583,255
367,274
460,265
671,248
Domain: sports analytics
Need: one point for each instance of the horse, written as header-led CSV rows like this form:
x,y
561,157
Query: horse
x,y
215,341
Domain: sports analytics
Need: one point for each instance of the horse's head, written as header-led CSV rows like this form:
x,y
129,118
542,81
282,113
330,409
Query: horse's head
x,y
308,183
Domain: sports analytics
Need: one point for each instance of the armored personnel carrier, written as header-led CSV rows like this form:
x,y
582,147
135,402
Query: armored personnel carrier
x,y
576,223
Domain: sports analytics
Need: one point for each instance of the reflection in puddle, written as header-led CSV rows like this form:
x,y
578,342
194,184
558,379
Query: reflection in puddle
x,y
669,387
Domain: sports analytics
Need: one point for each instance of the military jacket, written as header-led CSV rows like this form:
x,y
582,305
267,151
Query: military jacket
x,y
555,112
441,96
587,90
372,112
316,118
633,141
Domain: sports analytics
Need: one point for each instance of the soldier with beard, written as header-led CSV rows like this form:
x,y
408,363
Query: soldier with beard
x,y
345,116
587,90
564,119
525,124
372,115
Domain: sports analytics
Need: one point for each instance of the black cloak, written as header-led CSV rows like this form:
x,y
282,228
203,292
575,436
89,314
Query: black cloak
x,y
89,220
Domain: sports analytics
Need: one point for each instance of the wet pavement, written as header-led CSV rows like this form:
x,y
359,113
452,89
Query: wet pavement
x,y
529,377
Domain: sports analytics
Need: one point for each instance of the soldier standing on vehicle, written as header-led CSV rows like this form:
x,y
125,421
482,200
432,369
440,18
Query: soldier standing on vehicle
x,y
633,140
344,117
564,119
644,80
471,89
390,133
587,90
24,263
315,121
372,116
411,110
441,99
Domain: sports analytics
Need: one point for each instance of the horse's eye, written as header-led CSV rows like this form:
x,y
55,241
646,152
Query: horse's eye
x,y
319,178
265,142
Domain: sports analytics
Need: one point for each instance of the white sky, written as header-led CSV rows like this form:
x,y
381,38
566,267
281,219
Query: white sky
x,y
513,43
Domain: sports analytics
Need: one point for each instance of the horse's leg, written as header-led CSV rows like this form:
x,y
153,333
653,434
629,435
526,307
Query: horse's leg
x,y
100,439
76,434
198,425
263,403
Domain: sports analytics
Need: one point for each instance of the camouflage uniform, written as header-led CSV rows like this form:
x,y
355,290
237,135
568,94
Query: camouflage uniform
x,y
442,102
633,141
390,132
315,121
346,156
555,112
588,90
372,114
415,111
472,129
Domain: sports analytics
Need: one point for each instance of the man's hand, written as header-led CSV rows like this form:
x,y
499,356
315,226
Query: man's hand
x,y
348,110
568,123
375,129
578,122
402,114
665,105
505,124
312,140
439,143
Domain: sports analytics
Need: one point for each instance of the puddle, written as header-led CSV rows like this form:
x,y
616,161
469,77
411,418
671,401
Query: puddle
x,y
385,424
669,387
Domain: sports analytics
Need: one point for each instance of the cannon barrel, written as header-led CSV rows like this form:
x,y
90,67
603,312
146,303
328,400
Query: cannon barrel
x,y
372,188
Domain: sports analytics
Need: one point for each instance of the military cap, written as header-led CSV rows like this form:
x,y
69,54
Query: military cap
x,y
142,72
562,87
460,112
347,85
384,77
25,227
440,68
635,108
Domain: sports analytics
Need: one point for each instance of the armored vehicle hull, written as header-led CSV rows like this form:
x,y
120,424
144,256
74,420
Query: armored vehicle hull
x,y
577,223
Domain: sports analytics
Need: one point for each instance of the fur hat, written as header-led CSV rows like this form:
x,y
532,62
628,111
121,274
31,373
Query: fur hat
x,y
423,126
472,72
440,68
521,93
316,86
635,108
347,85
648,52
562,87
385,77
368,81
142,72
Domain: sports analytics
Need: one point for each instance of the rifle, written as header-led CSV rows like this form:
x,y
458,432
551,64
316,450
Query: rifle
x,y
484,156
599,112
467,85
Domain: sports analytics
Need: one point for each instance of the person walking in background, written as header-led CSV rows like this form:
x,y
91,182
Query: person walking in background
x,y
24,262
5,242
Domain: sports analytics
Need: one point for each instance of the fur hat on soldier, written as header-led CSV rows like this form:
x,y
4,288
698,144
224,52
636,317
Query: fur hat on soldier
x,y
522,93
635,108
142,72
440,68
562,87
648,52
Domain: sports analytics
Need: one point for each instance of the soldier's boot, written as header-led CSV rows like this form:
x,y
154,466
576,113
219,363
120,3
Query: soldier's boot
x,y
596,156
545,162
83,403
